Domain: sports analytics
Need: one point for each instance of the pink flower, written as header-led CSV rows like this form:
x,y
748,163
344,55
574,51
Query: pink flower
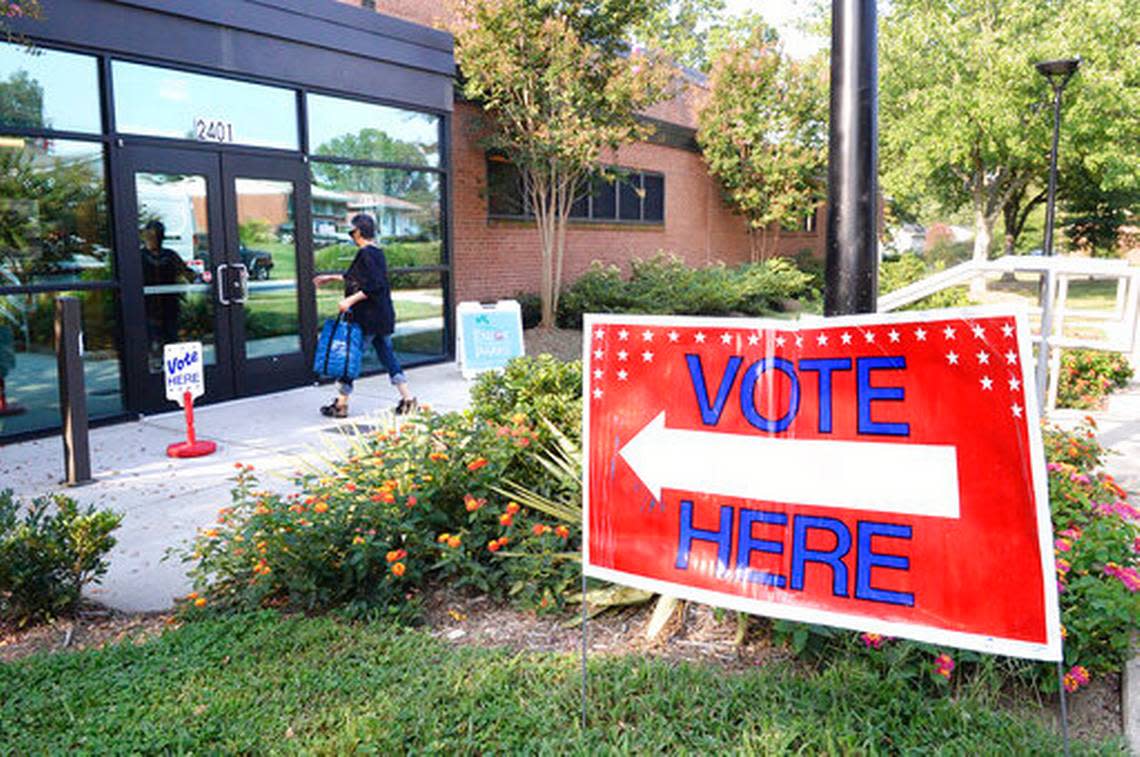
x,y
944,665
1063,566
1119,508
1128,576
1077,677
1062,545
872,640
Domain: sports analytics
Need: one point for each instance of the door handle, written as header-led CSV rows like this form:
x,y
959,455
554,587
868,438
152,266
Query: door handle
x,y
243,282
220,284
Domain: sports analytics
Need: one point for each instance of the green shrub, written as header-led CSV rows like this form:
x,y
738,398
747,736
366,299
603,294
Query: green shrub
x,y
600,289
406,507
48,554
813,265
535,387
334,257
767,286
531,306
1088,376
665,285
907,269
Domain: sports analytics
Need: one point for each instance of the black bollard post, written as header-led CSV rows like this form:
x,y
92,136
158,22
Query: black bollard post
x,y
72,392
852,164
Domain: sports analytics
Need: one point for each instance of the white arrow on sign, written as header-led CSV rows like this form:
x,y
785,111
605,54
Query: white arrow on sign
x,y
909,479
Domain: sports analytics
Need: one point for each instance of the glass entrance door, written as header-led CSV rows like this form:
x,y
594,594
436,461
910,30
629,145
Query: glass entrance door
x,y
208,245
273,322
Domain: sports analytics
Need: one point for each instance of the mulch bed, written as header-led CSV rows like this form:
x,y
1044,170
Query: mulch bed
x,y
92,627
564,344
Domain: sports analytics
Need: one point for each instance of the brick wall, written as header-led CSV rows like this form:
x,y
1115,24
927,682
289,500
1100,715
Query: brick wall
x,y
496,258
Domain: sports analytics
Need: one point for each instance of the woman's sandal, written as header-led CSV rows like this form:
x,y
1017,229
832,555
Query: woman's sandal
x,y
334,410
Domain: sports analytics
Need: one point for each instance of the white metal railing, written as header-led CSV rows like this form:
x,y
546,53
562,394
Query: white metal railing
x,y
1119,325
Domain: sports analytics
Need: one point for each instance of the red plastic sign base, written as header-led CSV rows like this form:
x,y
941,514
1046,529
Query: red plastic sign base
x,y
191,449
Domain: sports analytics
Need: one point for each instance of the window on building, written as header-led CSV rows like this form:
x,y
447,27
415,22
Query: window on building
x,y
618,196
406,206
809,223
365,131
48,89
163,102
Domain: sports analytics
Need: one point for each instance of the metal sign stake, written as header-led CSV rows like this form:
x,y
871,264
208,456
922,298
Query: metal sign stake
x,y
1064,705
585,618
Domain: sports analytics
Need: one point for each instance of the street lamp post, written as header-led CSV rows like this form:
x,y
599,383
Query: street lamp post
x,y
1058,72
852,161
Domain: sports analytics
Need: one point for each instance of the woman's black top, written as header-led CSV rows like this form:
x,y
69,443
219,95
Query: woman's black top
x,y
369,274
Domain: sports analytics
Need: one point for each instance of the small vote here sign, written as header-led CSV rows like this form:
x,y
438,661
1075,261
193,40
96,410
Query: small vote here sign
x,y
183,370
883,473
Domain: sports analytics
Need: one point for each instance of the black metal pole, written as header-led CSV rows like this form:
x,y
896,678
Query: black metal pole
x,y
852,164
72,392
1051,198
1058,72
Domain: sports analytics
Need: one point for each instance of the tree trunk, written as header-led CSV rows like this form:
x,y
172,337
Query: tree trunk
x,y
543,216
983,237
772,242
755,243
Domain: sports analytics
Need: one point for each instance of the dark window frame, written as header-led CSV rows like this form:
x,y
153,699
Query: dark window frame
x,y
112,139
615,178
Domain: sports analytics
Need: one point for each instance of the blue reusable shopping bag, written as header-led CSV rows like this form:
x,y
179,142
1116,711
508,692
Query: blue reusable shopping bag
x,y
340,348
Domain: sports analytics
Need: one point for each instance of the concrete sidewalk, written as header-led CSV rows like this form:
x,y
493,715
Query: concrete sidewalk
x,y
164,501
1118,429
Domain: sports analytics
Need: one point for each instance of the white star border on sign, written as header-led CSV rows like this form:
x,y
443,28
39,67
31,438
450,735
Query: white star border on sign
x,y
830,340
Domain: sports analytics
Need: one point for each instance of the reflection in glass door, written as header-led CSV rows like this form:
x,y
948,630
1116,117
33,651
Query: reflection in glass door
x,y
267,247
177,267
272,320
210,255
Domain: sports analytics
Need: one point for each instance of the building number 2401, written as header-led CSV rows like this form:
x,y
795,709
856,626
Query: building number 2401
x,y
208,130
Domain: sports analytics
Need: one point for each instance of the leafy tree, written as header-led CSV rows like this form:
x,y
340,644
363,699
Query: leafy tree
x,y
558,84
417,187
683,29
1093,215
763,131
374,144
967,121
52,207
22,101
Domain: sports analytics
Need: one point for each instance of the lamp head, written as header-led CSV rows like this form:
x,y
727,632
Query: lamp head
x,y
1063,68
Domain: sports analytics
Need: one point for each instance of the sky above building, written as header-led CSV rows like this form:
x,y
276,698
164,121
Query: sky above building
x,y
787,16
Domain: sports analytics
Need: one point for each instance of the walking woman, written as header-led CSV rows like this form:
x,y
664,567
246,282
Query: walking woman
x,y
368,299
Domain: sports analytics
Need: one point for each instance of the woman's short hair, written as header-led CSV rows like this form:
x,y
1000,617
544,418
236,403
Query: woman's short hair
x,y
363,223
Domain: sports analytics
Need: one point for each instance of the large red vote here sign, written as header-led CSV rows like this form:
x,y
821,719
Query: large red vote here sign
x,y
882,473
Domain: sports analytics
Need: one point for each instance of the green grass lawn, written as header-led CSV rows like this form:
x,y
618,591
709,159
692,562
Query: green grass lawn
x,y
1084,294
263,684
